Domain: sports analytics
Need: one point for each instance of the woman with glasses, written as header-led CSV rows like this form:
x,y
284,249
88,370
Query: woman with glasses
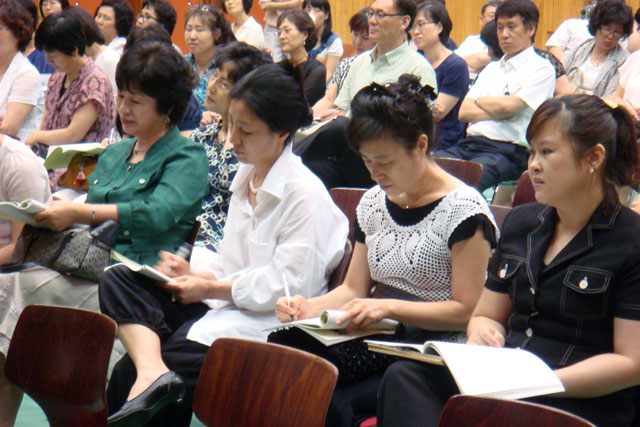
x,y
157,11
423,240
296,33
205,28
592,67
115,19
48,7
328,49
244,27
430,31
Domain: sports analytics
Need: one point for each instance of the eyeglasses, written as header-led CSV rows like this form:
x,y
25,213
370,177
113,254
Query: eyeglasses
x,y
419,25
46,3
381,15
202,7
144,17
219,81
608,31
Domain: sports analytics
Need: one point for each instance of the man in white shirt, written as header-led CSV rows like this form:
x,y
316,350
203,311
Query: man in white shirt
x,y
507,92
325,152
472,49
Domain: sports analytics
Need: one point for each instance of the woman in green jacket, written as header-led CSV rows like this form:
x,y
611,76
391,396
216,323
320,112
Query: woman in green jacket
x,y
151,184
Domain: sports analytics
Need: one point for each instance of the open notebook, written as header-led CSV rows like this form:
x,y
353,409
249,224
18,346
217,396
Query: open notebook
x,y
506,373
20,212
325,329
145,270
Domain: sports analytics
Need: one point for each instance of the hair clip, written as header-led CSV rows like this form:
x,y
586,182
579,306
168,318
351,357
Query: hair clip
x,y
428,92
381,89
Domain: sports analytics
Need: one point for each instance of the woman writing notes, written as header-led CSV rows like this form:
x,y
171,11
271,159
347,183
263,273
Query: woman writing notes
x,y
155,178
565,280
282,230
423,238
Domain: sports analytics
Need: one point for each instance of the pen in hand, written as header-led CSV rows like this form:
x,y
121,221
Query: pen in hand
x,y
286,292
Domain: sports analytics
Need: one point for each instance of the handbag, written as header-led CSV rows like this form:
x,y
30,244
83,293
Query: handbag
x,y
78,251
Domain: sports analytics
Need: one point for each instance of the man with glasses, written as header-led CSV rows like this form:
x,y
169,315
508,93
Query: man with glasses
x,y
157,11
500,104
325,152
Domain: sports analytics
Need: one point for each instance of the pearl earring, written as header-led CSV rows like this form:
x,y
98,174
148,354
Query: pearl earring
x,y
591,169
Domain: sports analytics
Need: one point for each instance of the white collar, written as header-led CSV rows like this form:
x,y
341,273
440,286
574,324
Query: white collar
x,y
275,180
517,60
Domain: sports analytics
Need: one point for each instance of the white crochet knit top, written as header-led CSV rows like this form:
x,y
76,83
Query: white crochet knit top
x,y
416,258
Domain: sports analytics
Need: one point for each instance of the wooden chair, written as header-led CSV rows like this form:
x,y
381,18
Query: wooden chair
x,y
466,171
524,191
347,200
499,214
59,356
340,272
253,383
484,411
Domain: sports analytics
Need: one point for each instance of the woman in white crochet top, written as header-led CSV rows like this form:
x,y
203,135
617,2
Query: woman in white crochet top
x,y
423,238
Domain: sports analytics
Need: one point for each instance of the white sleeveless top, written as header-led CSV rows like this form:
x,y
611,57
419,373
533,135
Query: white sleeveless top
x,y
416,258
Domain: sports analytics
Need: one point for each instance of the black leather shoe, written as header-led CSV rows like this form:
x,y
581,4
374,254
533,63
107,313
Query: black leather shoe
x,y
167,389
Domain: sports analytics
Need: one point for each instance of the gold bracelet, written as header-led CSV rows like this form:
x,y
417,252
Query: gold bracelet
x,y
93,213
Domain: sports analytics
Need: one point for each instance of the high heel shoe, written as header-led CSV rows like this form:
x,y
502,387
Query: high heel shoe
x,y
167,389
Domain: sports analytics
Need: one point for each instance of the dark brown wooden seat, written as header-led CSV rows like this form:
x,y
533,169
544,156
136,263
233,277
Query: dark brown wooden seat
x,y
347,200
465,170
253,383
489,412
524,191
59,356
340,271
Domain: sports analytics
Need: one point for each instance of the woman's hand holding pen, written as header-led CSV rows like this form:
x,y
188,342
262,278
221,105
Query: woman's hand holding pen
x,y
173,265
297,308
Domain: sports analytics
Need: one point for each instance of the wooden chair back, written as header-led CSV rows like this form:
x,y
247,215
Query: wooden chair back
x,y
348,50
340,271
499,214
524,191
253,383
347,200
484,411
60,356
465,170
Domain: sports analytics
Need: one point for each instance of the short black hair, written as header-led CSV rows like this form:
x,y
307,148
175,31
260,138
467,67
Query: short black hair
x,y
326,8
526,9
637,16
406,7
303,23
61,32
91,31
359,23
275,94
246,5
124,15
489,36
438,14
490,3
18,21
63,3
609,12
241,57
165,13
159,71
152,32
213,18
399,111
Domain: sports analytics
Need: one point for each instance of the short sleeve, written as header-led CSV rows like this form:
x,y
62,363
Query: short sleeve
x,y
26,87
335,48
467,228
560,37
358,234
455,78
315,81
538,85
627,294
344,95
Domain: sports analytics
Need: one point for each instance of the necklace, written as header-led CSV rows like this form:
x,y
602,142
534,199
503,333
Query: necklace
x,y
138,151
253,189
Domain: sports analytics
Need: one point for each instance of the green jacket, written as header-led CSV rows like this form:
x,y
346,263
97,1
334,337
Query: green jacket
x,y
158,199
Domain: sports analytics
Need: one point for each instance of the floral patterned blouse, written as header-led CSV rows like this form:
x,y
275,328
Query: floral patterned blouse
x,y
200,91
223,165
90,85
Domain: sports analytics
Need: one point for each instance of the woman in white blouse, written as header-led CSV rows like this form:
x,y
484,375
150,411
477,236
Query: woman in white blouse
x,y
423,240
627,94
282,230
244,27
19,80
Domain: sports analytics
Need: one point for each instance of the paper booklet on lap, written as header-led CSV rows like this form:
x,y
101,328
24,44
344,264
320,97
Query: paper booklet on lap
x,y
506,373
325,330
145,270
19,212
59,156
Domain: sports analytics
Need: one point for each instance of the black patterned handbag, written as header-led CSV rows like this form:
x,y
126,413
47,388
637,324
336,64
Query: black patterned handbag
x,y
78,251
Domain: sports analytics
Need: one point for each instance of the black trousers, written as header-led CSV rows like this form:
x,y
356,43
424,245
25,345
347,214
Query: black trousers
x,y
500,160
128,297
328,156
413,394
